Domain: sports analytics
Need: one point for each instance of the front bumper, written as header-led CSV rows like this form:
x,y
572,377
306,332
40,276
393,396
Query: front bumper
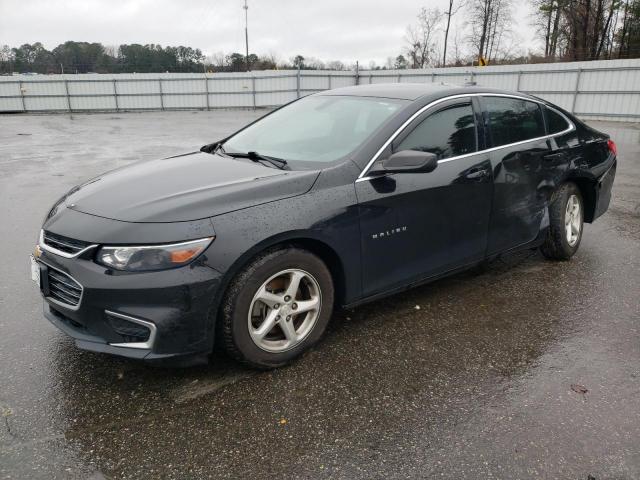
x,y
146,315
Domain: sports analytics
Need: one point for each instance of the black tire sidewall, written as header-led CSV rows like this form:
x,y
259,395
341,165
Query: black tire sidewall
x,y
556,245
240,295
572,189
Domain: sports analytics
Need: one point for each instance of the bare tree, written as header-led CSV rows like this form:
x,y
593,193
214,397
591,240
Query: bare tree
x,y
489,24
218,60
420,38
457,49
336,65
449,13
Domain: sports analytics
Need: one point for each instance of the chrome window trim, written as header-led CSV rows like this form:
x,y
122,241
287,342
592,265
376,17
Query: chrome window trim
x,y
148,345
363,174
60,253
58,302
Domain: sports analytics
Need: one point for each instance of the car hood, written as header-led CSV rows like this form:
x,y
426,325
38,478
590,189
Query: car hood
x,y
186,187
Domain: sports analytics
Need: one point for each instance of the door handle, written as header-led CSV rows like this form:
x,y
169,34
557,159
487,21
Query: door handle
x,y
477,174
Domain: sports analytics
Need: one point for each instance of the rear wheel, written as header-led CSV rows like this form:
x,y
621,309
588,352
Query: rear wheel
x,y
277,308
566,221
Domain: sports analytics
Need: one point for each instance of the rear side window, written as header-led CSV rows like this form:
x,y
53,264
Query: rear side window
x,y
447,133
555,122
512,120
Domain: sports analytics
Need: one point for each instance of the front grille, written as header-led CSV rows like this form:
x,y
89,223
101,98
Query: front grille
x,y
130,331
64,244
63,288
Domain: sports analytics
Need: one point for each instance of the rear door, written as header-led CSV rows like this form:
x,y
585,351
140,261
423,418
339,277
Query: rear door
x,y
522,163
416,225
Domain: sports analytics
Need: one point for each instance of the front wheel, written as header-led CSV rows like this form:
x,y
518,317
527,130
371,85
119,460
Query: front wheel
x,y
566,221
277,308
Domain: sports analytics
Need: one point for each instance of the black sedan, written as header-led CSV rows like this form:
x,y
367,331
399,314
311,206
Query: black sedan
x,y
336,199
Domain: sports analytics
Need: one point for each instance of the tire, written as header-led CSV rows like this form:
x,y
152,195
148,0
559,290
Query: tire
x,y
560,244
261,289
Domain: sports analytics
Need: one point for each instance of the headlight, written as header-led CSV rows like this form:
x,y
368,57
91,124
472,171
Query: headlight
x,y
152,257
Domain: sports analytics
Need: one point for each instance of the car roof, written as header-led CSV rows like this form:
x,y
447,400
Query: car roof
x,y
413,91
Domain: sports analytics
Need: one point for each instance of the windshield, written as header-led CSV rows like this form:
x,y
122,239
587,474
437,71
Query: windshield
x,y
316,128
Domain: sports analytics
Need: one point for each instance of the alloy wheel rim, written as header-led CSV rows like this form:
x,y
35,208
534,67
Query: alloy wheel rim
x,y
572,220
284,310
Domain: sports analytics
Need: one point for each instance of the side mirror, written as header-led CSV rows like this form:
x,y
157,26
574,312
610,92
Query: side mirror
x,y
408,161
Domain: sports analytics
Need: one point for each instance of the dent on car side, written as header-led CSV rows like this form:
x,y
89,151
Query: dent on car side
x,y
378,234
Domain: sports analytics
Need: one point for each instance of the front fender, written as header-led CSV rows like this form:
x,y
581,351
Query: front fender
x,y
326,217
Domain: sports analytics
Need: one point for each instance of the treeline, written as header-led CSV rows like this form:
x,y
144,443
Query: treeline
x,y
569,30
83,57
590,29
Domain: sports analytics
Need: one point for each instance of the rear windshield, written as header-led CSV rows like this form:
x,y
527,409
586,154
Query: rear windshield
x,y
315,129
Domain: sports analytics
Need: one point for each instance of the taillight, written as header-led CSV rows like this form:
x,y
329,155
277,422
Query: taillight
x,y
612,147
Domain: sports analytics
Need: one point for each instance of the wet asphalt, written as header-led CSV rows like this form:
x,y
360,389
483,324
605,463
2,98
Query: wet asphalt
x,y
480,375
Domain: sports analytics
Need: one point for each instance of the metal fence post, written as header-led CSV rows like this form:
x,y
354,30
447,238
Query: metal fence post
x,y
576,91
433,77
357,73
253,87
161,99
24,109
518,81
298,83
66,89
473,76
399,78
370,78
206,90
329,80
115,95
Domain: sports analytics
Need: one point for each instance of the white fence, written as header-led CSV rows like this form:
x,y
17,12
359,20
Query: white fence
x,y
601,90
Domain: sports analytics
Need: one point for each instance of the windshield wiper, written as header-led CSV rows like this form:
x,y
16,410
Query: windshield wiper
x,y
256,157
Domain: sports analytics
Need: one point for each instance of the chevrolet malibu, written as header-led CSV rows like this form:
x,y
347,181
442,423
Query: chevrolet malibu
x,y
336,199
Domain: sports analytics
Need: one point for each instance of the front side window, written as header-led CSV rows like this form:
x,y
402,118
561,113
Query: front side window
x,y
447,133
555,122
316,128
512,120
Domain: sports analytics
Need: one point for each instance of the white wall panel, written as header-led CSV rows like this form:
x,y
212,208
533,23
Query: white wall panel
x,y
274,99
43,88
316,82
91,88
139,102
93,103
137,86
180,86
185,101
9,89
597,94
229,85
231,101
10,104
45,103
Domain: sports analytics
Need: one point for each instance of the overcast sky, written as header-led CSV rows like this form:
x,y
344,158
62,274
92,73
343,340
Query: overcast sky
x,y
346,30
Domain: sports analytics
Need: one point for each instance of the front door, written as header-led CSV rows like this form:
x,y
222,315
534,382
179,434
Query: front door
x,y
415,225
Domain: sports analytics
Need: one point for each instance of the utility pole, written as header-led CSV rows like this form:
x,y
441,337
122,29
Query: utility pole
x,y
246,31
